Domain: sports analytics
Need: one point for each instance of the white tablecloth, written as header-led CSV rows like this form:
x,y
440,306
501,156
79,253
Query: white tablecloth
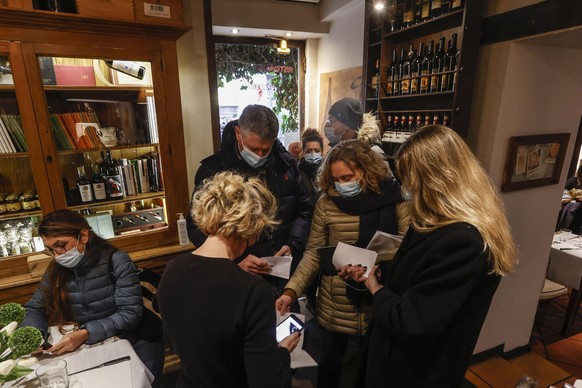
x,y
122,375
566,263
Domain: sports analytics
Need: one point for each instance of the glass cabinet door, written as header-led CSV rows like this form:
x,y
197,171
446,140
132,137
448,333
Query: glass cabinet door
x,y
102,119
20,206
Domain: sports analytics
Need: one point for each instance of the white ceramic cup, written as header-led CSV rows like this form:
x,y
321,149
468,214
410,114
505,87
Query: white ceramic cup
x,y
53,374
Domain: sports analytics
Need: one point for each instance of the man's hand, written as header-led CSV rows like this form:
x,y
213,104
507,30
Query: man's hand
x,y
70,342
284,251
255,265
283,304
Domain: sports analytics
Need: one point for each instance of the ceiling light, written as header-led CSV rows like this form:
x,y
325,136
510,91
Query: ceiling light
x,y
234,31
288,34
282,48
379,6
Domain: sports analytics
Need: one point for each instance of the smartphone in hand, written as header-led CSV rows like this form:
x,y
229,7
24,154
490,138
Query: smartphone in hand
x,y
288,326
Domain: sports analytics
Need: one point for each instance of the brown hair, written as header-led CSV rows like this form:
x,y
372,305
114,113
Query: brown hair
x,y
70,224
356,154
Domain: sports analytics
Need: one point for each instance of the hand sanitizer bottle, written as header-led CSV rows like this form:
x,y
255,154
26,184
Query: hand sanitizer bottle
x,y
182,231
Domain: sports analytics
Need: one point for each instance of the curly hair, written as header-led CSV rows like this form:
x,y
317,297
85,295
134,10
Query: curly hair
x,y
233,206
358,155
449,186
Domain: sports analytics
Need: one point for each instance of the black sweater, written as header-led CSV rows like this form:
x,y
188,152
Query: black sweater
x,y
220,321
427,318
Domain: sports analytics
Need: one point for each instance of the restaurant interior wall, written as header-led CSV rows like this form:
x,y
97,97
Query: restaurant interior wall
x,y
523,89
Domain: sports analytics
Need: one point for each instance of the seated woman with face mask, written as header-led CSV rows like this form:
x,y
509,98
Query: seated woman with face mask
x,y
359,197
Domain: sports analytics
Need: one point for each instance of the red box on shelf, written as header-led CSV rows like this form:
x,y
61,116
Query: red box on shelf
x,y
68,75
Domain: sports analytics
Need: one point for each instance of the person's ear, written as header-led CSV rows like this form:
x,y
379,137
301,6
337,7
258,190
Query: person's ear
x,y
84,236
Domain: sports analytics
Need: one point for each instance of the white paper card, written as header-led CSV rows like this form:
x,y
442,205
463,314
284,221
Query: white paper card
x,y
280,265
299,357
578,384
383,242
348,254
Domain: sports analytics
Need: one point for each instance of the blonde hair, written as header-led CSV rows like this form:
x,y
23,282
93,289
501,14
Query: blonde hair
x,y
449,186
233,206
358,155
370,130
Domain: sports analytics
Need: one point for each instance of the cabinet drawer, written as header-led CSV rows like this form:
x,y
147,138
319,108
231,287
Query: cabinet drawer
x,y
105,9
169,12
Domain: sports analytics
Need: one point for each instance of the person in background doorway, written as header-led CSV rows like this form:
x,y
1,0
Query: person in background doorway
x,y
312,148
219,319
575,182
250,147
358,198
295,150
429,305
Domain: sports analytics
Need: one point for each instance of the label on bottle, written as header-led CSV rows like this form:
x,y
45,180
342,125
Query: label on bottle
x,y
100,191
424,80
414,85
389,86
115,186
435,4
408,16
86,194
405,86
456,4
127,67
434,82
425,10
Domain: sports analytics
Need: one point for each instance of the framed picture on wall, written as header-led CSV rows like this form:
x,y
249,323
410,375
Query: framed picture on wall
x,y
534,161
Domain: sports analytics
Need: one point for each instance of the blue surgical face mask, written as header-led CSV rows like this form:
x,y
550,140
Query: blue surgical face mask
x,y
252,159
348,189
314,157
334,139
70,258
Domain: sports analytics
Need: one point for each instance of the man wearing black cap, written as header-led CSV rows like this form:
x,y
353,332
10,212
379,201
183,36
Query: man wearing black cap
x,y
344,121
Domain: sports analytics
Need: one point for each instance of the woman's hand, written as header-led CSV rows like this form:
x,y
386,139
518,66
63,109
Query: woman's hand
x,y
70,342
284,251
290,342
354,272
255,265
372,281
283,304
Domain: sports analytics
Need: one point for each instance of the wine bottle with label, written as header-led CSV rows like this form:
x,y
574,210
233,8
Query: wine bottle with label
x,y
391,16
112,177
98,183
435,8
453,56
425,13
415,70
84,186
375,81
398,85
456,4
406,72
408,15
392,74
445,6
425,68
128,67
437,66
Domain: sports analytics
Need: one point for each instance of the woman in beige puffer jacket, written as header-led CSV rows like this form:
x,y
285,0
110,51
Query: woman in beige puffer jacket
x,y
339,218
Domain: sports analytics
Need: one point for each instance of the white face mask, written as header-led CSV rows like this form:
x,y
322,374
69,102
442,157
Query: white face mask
x,y
70,258
251,158
348,189
314,157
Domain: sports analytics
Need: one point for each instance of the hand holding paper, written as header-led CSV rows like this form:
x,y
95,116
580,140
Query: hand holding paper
x,y
383,242
348,254
280,265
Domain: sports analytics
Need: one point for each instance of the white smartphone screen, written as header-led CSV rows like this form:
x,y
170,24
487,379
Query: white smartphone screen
x,y
288,326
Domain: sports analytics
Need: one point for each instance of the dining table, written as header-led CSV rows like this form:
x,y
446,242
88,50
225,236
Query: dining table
x,y
85,370
565,267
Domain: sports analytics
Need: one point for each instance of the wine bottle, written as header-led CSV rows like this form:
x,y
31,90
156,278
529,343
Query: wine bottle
x,y
427,117
112,177
374,82
418,121
98,183
127,67
445,6
445,76
400,7
435,118
446,119
437,66
425,13
406,72
408,15
456,4
391,16
453,54
417,11
84,186
425,68
435,8
392,74
398,90
415,70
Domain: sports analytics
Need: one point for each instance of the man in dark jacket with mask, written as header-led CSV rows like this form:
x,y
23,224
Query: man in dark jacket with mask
x,y
250,147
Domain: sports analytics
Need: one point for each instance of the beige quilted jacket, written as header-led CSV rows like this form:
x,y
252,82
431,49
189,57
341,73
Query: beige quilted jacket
x,y
330,225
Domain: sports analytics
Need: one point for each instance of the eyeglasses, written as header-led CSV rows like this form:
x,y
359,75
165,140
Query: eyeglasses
x,y
55,250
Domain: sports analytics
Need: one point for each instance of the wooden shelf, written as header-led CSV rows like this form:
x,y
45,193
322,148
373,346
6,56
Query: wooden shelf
x,y
10,155
116,88
6,88
123,147
132,198
440,23
23,214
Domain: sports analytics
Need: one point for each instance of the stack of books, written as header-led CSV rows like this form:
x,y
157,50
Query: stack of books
x,y
64,128
11,134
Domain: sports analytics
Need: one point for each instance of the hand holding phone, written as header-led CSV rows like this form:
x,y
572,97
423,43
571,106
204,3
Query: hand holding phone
x,y
288,326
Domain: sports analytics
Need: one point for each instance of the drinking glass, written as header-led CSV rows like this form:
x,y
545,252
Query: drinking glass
x,y
565,235
53,374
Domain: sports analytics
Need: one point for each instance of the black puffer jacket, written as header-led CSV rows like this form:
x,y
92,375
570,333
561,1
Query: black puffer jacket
x,y
282,177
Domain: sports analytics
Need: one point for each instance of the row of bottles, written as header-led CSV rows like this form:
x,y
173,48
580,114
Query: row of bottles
x,y
406,13
399,126
424,71
114,179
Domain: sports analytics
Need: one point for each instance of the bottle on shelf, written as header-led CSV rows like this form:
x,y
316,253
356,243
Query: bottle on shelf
x,y
99,184
427,118
84,186
437,66
417,11
425,13
415,70
128,67
435,8
397,86
392,75
445,76
426,67
436,118
453,56
388,135
88,164
457,4
418,122
375,81
406,72
445,6
408,15
400,6
112,177
446,119
391,16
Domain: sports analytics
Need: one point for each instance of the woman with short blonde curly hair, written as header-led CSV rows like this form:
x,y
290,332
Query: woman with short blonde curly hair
x,y
235,346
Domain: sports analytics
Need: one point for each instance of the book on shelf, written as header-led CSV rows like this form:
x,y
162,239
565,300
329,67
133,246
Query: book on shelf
x,y
13,125
75,130
6,143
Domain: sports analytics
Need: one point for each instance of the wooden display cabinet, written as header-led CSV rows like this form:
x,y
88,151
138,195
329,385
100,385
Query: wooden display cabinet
x,y
451,105
78,86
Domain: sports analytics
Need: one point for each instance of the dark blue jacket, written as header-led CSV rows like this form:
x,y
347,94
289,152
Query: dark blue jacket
x,y
282,177
103,305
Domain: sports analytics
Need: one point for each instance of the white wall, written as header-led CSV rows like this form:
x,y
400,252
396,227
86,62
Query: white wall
x,y
523,89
